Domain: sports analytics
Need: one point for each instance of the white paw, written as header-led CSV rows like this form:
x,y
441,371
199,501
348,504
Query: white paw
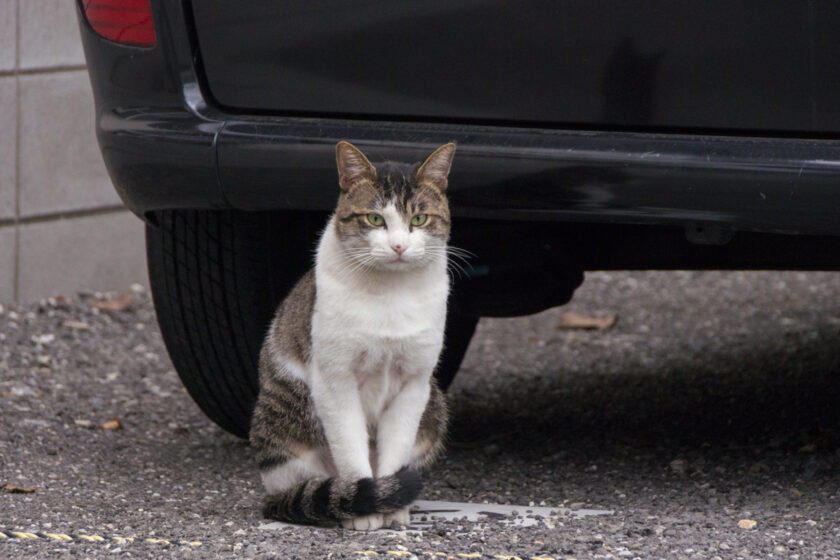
x,y
401,516
364,523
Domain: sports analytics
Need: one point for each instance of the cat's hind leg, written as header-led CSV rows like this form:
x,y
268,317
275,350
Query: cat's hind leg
x,y
431,434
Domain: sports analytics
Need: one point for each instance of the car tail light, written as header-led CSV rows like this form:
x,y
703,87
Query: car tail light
x,y
124,21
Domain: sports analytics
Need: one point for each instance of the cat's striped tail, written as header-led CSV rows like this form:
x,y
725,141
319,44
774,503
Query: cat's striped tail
x,y
324,500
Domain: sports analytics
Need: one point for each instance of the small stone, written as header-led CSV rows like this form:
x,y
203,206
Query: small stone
x,y
43,338
747,524
44,360
658,530
678,466
82,423
75,325
112,424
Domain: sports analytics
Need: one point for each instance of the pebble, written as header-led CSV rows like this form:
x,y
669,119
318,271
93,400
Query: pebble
x,y
43,339
678,466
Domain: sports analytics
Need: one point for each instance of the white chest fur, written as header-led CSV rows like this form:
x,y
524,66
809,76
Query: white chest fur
x,y
381,328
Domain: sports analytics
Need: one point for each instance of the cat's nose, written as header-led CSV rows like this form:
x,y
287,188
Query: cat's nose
x,y
398,248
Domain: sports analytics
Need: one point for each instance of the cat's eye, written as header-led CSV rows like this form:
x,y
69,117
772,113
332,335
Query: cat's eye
x,y
419,219
375,220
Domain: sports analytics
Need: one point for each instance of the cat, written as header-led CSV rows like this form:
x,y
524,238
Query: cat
x,y
348,411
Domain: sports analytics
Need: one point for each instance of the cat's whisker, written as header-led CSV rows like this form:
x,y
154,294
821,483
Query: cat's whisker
x,y
364,264
460,250
355,263
459,270
359,266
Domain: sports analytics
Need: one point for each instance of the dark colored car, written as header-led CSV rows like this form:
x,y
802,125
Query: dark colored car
x,y
591,135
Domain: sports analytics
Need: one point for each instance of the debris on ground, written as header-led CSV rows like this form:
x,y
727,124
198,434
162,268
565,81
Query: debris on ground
x,y
122,302
572,320
10,488
112,424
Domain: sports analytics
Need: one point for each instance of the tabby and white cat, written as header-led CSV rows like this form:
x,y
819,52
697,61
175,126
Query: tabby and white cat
x,y
348,410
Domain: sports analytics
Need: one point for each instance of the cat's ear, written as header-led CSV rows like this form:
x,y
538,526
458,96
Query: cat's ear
x,y
353,166
435,170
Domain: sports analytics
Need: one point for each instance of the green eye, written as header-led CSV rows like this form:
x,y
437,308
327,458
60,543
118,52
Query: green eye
x,y
419,220
375,220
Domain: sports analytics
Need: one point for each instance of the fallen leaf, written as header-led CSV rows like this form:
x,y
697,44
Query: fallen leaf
x,y
747,524
112,424
572,320
122,302
12,489
76,325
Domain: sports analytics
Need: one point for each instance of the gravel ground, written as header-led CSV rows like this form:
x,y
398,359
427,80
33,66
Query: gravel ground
x,y
713,400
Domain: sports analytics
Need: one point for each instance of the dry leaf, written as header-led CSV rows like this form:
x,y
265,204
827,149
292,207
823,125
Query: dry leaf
x,y
12,489
747,524
112,424
77,325
572,320
122,302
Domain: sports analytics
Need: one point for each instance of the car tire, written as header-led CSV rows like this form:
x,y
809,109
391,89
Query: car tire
x,y
216,279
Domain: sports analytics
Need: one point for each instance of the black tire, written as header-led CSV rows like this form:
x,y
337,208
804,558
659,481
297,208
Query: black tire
x,y
216,278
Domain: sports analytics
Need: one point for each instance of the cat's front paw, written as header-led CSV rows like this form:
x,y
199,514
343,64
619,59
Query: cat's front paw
x,y
364,523
401,516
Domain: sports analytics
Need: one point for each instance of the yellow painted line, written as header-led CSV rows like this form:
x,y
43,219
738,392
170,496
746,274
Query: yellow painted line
x,y
59,536
452,555
6,535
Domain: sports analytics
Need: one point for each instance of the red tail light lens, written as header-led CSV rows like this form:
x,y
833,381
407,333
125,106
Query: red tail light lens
x,y
124,21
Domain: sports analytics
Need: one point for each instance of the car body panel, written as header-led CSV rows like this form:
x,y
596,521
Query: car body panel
x,y
733,66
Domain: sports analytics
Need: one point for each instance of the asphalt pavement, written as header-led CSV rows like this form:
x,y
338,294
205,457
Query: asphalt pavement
x,y
704,422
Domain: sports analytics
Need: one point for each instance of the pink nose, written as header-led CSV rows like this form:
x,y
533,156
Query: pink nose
x,y
398,249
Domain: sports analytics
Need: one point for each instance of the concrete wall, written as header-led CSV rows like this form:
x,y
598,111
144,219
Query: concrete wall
x,y
62,226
